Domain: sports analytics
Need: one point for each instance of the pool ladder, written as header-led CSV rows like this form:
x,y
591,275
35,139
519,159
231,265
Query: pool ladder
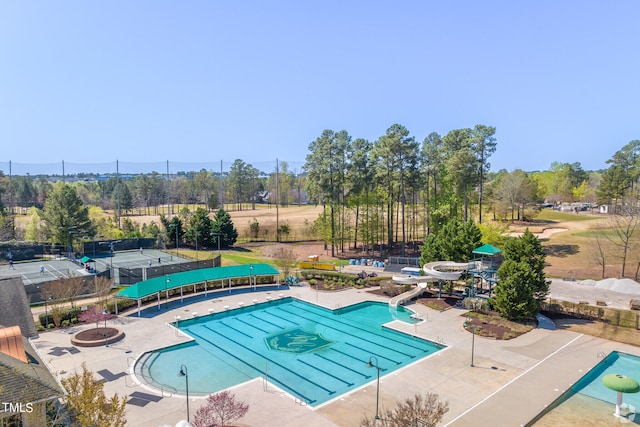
x,y
301,400
601,355
170,390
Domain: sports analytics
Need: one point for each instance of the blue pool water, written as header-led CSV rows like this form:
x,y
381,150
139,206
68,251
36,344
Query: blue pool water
x,y
615,363
313,353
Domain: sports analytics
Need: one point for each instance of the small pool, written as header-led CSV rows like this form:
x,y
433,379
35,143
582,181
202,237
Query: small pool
x,y
313,353
588,401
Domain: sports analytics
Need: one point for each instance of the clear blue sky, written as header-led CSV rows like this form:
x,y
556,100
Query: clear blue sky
x,y
190,81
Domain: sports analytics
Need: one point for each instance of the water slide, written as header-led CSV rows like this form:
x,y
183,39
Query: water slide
x,y
409,295
433,271
447,270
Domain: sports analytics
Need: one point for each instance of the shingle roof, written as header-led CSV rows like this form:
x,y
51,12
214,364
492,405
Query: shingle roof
x,y
26,382
14,306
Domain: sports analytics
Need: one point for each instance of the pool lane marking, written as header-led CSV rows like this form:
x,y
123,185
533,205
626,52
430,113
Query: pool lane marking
x,y
269,359
512,381
355,336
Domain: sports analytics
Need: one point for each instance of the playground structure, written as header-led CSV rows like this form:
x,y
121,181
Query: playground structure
x,y
483,272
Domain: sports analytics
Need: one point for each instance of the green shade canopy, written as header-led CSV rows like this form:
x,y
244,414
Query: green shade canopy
x,y
85,259
149,287
487,249
621,383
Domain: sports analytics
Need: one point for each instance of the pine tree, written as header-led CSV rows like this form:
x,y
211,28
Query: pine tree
x,y
222,224
522,286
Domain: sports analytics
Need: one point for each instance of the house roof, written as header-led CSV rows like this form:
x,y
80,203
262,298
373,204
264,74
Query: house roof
x,y
28,381
11,343
14,306
176,280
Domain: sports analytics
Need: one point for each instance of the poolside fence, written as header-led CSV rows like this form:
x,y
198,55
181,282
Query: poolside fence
x,y
610,315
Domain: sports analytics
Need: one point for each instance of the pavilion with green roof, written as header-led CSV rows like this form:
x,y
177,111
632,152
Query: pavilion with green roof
x,y
157,285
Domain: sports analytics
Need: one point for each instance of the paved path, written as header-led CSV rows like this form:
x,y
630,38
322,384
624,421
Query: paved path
x,y
510,383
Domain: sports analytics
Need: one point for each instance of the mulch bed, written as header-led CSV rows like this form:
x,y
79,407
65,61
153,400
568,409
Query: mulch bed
x,y
96,334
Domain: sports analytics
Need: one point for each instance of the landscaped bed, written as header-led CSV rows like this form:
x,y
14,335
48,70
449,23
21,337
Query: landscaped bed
x,y
489,324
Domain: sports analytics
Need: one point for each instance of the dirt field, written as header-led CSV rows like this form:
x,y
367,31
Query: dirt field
x,y
569,248
570,251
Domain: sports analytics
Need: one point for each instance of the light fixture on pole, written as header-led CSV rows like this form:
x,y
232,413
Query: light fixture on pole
x,y
105,314
185,374
197,233
218,235
473,341
176,229
166,289
46,313
370,364
251,282
69,232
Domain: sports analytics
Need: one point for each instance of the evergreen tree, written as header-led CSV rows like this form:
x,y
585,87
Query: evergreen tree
x,y
199,231
64,215
522,286
454,241
222,224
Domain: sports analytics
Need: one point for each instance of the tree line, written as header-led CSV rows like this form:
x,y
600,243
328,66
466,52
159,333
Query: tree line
x,y
378,195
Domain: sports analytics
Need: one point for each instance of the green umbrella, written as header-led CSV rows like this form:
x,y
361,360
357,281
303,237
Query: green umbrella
x,y
621,384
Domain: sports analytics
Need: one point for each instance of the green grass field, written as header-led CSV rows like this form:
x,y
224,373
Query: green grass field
x,y
557,216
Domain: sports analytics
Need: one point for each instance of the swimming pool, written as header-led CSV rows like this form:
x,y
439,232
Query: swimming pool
x,y
588,401
313,353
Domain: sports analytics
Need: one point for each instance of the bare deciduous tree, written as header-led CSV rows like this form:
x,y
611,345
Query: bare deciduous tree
x,y
285,260
423,411
220,410
598,251
624,227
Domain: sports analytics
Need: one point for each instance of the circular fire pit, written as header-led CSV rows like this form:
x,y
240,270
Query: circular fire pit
x,y
95,337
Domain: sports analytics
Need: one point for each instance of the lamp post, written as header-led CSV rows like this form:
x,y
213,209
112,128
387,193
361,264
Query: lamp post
x,y
105,314
218,235
176,228
473,339
370,364
46,312
251,277
69,231
166,289
185,374
196,232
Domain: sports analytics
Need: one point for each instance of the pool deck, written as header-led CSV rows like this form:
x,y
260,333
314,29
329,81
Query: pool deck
x,y
510,382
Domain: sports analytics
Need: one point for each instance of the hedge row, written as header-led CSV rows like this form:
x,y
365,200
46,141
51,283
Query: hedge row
x,y
67,315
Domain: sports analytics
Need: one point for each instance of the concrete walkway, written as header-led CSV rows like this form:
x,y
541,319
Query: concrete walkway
x,y
510,382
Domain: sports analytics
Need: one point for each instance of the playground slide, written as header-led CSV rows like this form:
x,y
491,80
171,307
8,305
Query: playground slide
x,y
407,296
452,270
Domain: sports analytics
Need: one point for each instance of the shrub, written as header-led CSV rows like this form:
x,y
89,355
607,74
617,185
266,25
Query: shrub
x,y
391,289
313,282
65,323
43,320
